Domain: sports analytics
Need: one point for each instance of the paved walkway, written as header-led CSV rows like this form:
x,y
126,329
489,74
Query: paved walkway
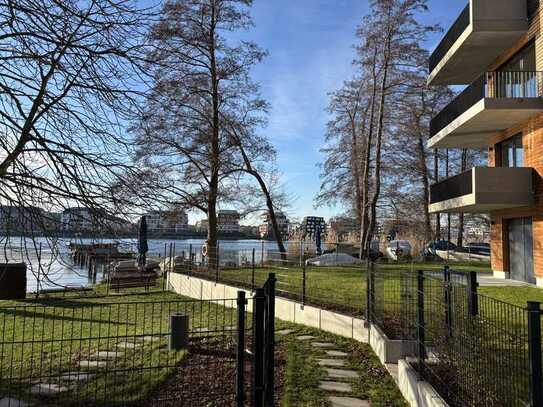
x,y
488,280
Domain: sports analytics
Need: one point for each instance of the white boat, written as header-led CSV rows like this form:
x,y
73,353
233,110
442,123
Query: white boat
x,y
398,250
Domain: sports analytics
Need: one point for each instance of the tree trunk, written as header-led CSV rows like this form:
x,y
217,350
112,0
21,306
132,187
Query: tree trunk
x,y
426,188
212,234
463,166
377,172
436,180
366,177
269,200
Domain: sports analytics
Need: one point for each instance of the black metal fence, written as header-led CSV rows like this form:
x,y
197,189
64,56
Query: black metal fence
x,y
174,352
297,278
475,350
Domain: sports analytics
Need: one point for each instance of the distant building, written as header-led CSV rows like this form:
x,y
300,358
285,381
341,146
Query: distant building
x,y
250,231
342,228
228,221
81,219
78,219
266,228
23,219
311,224
172,221
202,226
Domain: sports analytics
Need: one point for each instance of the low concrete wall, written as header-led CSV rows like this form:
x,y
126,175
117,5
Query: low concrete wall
x,y
389,350
417,393
285,310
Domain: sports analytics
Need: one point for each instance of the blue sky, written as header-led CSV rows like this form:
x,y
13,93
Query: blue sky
x,y
310,53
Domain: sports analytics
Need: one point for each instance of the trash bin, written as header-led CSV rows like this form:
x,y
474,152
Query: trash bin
x,y
12,281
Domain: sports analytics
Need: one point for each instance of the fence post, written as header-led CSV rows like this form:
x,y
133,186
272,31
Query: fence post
x,y
262,255
473,302
258,347
269,351
368,290
253,271
190,259
303,281
534,353
421,323
448,298
218,263
240,355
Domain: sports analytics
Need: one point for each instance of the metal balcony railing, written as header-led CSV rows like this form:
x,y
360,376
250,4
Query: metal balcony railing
x,y
459,26
453,187
499,85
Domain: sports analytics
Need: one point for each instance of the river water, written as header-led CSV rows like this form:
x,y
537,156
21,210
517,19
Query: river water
x,y
50,262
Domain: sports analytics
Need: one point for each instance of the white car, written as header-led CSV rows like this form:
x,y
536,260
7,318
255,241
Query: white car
x,y
398,249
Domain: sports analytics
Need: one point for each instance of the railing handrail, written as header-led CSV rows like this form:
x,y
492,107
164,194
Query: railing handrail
x,y
448,40
493,84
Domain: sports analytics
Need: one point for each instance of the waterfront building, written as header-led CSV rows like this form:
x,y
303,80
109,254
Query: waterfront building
x,y
313,224
17,219
266,228
167,221
228,221
494,48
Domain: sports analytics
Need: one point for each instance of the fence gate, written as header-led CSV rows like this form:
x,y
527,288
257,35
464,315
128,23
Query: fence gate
x,y
102,352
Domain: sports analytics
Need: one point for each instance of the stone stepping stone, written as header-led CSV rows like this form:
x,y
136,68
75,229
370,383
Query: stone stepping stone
x,y
9,402
336,387
92,364
76,376
305,337
128,345
341,374
107,355
331,362
348,402
336,353
285,332
47,389
323,345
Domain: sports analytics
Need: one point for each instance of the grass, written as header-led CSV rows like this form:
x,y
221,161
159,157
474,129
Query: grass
x,y
340,288
303,374
41,339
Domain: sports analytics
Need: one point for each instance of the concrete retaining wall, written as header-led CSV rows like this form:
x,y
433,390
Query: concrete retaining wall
x,y
417,393
285,310
389,350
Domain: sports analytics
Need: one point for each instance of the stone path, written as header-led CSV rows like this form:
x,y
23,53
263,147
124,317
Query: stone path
x,y
338,383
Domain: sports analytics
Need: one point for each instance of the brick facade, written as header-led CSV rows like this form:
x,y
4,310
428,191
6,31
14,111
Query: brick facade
x,y
532,140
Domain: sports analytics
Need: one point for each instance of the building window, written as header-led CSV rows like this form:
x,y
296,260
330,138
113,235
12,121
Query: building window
x,y
511,152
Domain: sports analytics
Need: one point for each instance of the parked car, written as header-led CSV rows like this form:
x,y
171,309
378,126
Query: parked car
x,y
434,246
398,249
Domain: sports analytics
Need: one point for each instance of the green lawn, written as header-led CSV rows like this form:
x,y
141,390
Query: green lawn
x,y
340,288
43,339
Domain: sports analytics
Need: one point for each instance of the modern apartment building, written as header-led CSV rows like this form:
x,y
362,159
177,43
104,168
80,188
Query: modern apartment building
x,y
228,221
172,221
495,47
266,228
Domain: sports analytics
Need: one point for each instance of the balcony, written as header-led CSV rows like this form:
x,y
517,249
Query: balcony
x,y
483,31
483,190
493,103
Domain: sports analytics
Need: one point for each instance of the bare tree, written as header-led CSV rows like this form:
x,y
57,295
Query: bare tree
x,y
68,75
201,83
